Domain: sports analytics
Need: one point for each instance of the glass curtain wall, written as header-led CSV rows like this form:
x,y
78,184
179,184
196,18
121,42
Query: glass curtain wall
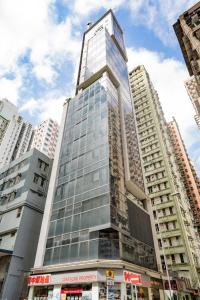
x,y
92,215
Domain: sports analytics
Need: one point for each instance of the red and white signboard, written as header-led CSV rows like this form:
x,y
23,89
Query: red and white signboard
x,y
76,277
39,279
79,277
132,278
72,291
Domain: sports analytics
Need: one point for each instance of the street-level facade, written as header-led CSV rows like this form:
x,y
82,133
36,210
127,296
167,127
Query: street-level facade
x,y
97,216
121,281
178,246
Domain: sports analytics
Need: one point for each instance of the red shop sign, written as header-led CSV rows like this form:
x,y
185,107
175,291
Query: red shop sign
x,y
39,279
132,277
72,291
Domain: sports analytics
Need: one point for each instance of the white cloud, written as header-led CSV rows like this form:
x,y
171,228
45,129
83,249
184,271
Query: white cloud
x,y
49,107
85,8
45,71
168,76
30,106
159,15
32,26
9,88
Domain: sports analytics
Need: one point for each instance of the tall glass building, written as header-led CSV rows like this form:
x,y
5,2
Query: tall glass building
x,y
97,226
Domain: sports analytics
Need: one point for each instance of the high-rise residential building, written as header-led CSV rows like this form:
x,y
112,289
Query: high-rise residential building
x,y
192,90
190,178
96,239
23,188
45,137
15,134
188,34
187,30
176,236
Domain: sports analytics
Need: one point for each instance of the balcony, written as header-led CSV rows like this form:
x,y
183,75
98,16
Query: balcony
x,y
164,205
156,181
173,249
169,218
160,193
180,267
169,233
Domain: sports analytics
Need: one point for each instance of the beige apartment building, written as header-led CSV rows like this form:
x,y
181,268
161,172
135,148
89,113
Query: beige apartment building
x,y
190,178
171,208
187,29
191,86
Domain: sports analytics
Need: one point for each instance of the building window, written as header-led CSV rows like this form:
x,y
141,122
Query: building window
x,y
42,165
157,228
36,178
42,182
182,258
11,196
19,210
173,258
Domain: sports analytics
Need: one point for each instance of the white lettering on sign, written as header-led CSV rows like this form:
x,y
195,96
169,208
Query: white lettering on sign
x,y
79,278
132,277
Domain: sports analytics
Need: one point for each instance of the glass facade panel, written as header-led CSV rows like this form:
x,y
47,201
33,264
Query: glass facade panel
x,y
91,210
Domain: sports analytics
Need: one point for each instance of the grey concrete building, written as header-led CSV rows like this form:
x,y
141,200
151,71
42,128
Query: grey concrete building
x,y
178,244
96,238
23,188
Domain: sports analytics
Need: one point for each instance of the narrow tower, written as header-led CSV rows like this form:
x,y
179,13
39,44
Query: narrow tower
x,y
178,248
97,225
190,178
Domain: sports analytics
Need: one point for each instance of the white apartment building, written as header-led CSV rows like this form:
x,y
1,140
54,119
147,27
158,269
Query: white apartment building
x,y
45,137
15,134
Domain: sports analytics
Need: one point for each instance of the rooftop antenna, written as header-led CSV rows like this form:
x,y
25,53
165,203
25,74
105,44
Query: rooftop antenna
x,y
89,24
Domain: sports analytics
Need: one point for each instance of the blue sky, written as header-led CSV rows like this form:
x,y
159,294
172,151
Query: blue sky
x,y
40,48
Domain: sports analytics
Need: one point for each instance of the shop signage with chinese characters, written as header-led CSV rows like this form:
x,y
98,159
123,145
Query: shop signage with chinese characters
x,y
39,279
132,278
136,279
50,279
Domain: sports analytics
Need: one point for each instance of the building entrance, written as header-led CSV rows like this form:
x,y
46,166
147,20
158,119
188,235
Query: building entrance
x,y
71,297
76,292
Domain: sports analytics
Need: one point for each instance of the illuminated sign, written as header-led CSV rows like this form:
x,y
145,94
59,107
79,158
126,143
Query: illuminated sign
x,y
79,277
110,274
72,291
39,279
76,277
132,278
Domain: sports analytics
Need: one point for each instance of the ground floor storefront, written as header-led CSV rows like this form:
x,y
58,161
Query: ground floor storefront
x,y
101,284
